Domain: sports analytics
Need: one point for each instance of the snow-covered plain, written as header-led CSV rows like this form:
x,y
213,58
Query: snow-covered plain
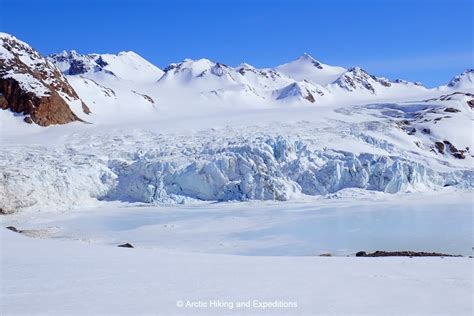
x,y
73,278
81,271
341,224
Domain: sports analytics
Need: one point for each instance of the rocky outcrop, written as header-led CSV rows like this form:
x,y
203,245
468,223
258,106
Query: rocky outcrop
x,y
303,90
381,253
126,245
72,63
32,86
463,81
359,79
42,110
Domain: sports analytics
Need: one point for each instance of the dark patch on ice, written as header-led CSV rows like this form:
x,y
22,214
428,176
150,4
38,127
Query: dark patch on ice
x,y
380,253
13,229
126,245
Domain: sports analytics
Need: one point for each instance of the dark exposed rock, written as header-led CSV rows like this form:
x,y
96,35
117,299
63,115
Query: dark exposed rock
x,y
384,83
448,147
43,110
3,102
458,80
457,153
146,97
310,97
440,147
126,245
170,67
380,253
85,108
426,131
357,78
451,110
101,62
451,147
449,97
38,98
411,131
77,67
471,103
405,125
13,229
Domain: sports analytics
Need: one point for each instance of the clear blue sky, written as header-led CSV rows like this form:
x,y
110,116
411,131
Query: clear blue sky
x,y
425,40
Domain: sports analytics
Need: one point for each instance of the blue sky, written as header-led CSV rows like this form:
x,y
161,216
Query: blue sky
x,y
428,41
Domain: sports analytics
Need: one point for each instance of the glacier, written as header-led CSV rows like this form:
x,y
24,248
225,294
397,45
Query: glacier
x,y
212,165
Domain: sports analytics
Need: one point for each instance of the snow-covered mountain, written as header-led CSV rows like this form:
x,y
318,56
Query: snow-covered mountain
x,y
30,85
300,91
308,68
203,130
126,87
464,81
124,65
104,88
206,77
114,85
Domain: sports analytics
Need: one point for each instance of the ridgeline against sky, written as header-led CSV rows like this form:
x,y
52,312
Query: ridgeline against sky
x,y
425,41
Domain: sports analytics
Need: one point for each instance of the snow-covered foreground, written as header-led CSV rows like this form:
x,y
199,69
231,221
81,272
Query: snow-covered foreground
x,y
75,278
191,253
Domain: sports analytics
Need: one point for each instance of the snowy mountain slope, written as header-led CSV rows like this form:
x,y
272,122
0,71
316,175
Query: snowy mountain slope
x,y
33,87
125,65
307,68
206,77
300,91
116,86
464,81
114,100
359,82
143,281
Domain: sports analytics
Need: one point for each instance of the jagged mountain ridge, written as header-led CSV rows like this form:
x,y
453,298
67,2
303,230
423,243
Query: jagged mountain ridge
x,y
127,82
306,67
195,132
463,81
31,85
124,65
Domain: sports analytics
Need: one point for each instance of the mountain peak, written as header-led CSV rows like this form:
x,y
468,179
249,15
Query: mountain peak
x,y
126,65
306,56
31,86
306,67
127,53
6,35
357,78
465,80
244,65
